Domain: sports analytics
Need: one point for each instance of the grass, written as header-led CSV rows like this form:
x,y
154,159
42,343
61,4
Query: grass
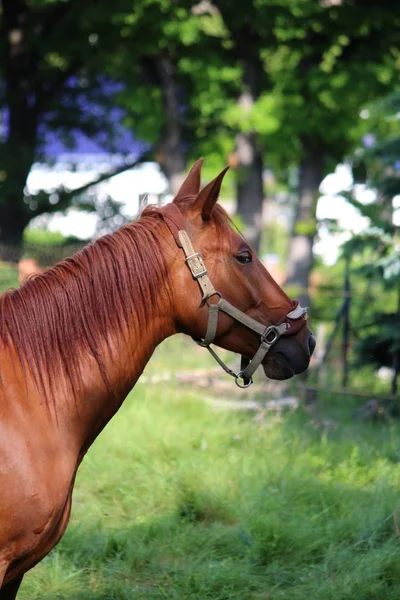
x,y
178,501
8,276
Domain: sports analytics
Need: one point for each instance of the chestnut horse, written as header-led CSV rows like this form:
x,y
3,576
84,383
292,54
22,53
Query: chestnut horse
x,y
74,341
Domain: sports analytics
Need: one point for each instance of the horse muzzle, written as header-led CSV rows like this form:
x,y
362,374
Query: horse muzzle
x,y
290,355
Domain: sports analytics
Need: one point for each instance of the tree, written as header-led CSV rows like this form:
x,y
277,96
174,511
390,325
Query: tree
x,y
378,245
51,80
177,98
330,59
55,81
151,96
245,46
297,62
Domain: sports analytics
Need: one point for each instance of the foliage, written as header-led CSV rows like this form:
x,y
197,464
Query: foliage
x,y
52,84
379,245
379,347
307,57
8,277
43,237
321,63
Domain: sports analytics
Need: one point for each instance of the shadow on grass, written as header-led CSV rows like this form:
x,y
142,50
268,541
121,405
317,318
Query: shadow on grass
x,y
297,538
229,508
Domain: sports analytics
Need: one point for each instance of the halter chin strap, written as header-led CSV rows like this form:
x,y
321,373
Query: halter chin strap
x,y
290,324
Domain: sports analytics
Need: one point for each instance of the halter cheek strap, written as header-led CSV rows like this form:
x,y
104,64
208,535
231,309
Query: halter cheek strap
x,y
291,323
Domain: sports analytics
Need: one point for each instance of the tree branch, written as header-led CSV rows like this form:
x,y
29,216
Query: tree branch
x,y
65,196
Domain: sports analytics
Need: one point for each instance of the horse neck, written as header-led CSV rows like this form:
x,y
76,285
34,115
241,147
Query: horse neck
x,y
97,404
125,356
91,315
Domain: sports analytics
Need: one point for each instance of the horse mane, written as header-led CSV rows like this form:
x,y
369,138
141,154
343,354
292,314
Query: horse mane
x,y
74,305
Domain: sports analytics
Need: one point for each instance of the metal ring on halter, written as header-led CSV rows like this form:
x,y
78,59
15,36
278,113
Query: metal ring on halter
x,y
215,293
243,385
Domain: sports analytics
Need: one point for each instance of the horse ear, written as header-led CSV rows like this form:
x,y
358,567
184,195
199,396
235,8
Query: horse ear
x,y
191,185
208,196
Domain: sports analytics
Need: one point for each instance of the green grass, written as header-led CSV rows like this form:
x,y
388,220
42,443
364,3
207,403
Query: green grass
x,y
179,501
8,277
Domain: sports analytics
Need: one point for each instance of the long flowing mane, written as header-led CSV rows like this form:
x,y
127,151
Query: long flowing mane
x,y
72,308
75,305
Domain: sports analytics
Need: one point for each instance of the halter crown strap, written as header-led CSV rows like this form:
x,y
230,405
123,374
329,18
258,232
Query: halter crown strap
x,y
196,265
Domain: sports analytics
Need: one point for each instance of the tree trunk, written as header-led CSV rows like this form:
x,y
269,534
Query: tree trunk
x,y
13,220
15,163
250,192
300,254
169,152
346,324
12,226
18,151
396,356
396,371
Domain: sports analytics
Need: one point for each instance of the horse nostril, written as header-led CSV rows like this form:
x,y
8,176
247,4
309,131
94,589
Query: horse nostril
x,y
311,343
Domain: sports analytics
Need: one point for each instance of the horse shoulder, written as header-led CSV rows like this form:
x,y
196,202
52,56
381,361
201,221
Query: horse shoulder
x,y
36,478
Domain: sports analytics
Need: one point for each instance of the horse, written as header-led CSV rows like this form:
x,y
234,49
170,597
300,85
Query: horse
x,y
75,339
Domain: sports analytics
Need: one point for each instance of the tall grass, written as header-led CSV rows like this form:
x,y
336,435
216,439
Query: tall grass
x,y
179,501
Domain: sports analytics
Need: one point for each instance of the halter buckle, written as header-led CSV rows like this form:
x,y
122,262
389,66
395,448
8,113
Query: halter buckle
x,y
196,265
276,334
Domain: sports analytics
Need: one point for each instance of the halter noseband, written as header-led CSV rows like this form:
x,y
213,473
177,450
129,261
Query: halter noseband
x,y
291,323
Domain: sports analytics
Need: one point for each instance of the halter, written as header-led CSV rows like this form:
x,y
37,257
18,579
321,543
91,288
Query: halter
x,y
290,324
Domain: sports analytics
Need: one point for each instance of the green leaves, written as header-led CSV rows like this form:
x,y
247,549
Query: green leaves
x,y
262,116
378,246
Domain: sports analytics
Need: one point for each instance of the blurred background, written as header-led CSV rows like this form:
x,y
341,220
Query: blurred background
x,y
104,106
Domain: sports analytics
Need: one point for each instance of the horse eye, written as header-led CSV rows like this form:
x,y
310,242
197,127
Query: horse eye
x,y
244,257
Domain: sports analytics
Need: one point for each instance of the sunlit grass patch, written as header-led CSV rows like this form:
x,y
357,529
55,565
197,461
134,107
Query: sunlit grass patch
x,y
8,276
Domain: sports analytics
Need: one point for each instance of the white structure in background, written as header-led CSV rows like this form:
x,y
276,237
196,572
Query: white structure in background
x,y
72,172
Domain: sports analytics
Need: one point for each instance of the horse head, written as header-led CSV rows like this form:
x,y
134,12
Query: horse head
x,y
222,292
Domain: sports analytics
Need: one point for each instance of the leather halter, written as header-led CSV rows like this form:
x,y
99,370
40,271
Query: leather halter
x,y
290,324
